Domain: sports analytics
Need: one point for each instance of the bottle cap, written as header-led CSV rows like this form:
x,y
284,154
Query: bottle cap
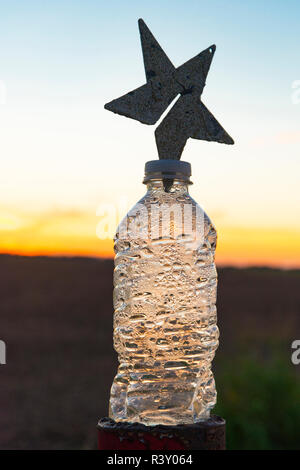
x,y
167,169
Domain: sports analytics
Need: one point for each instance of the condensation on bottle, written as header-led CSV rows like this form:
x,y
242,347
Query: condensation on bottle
x,y
165,323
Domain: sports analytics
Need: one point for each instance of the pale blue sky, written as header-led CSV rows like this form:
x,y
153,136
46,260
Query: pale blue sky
x,y
62,60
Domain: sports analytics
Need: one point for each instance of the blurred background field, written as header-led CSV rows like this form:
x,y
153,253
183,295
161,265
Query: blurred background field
x,y
56,319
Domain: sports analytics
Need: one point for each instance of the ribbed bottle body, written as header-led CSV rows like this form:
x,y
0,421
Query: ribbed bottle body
x,y
165,326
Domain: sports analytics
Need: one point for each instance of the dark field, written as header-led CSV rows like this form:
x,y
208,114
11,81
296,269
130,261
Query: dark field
x,y
56,319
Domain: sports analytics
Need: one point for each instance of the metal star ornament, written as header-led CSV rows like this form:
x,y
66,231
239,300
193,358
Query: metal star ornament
x,y
188,117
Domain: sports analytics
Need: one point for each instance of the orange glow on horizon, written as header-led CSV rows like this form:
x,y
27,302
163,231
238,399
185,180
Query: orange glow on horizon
x,y
258,247
106,250
74,234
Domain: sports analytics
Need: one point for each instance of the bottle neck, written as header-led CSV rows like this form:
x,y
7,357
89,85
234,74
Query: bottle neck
x,y
173,175
174,186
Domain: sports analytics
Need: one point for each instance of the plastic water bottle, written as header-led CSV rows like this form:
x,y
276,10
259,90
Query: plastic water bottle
x,y
165,283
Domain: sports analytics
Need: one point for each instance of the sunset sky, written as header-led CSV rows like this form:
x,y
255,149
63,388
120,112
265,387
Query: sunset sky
x,y
64,159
